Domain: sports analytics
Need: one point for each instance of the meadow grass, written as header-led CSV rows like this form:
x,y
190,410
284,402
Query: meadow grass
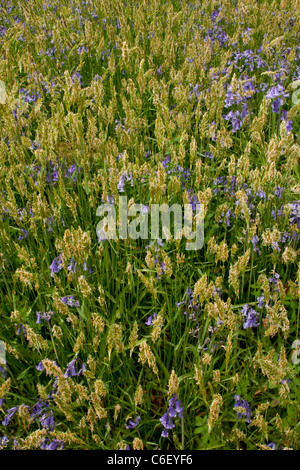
x,y
141,344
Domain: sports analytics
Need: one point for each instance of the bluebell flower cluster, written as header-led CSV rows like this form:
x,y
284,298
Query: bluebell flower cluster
x,y
29,96
52,171
46,316
21,329
57,266
175,409
277,93
71,368
251,317
69,300
192,309
243,403
133,424
151,319
124,178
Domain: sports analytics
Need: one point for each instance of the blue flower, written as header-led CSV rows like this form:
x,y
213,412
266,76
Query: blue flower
x,y
149,320
9,415
243,403
175,408
47,421
71,370
40,366
56,265
272,446
133,424
166,421
3,442
251,317
276,91
69,300
254,241
44,316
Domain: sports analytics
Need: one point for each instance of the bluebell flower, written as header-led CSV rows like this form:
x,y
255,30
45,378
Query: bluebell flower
x,y
175,408
243,403
44,316
54,445
254,241
56,265
150,320
69,300
133,424
3,441
171,412
40,366
276,91
38,408
78,77
251,317
260,301
10,414
166,421
21,329
126,176
24,234
71,370
47,421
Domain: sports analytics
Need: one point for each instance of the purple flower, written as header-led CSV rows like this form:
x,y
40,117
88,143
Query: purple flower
x,y
9,415
276,91
175,408
133,424
166,421
294,217
29,96
272,446
251,317
44,316
241,402
24,234
276,105
149,320
156,242
21,328
171,412
260,301
71,370
278,192
38,408
54,444
126,176
40,366
47,421
56,265
179,408
71,266
254,241
69,300
78,77
3,442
